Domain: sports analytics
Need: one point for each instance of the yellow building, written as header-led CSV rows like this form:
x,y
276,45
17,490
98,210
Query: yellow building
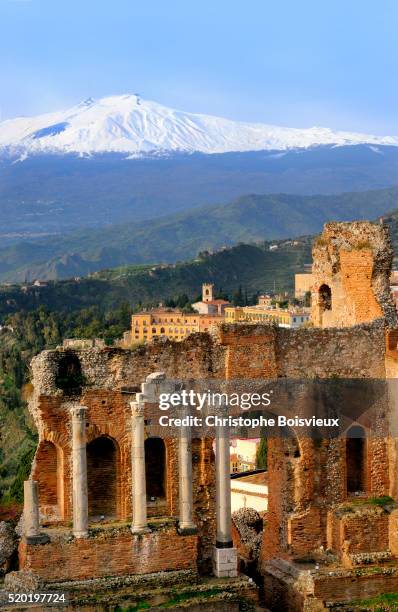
x,y
284,317
168,323
302,284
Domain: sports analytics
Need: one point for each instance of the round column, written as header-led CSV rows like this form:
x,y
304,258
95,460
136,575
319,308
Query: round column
x,y
223,489
139,524
31,520
79,472
225,557
186,524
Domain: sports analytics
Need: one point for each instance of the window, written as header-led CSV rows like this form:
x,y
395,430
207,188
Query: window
x,y
356,459
325,297
69,376
48,458
155,467
102,476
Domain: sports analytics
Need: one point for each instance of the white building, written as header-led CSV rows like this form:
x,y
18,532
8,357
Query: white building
x,y
250,491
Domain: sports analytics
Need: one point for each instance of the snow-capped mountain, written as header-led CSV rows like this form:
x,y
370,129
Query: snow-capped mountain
x,y
127,124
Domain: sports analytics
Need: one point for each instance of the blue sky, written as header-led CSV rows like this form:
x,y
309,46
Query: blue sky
x,y
289,62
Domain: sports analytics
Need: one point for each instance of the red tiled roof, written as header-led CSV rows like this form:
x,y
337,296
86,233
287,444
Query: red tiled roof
x,y
217,302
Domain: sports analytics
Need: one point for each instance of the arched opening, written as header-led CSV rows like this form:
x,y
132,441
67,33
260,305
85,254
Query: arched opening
x,y
292,447
325,298
356,459
69,376
102,477
155,468
48,467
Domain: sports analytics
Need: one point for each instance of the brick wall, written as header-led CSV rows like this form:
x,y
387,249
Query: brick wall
x,y
110,553
305,532
356,275
363,530
349,588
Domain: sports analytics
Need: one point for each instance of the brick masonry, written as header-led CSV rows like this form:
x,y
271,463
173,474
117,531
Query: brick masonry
x,y
111,552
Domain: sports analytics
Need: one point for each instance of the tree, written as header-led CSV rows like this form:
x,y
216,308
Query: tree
x,y
222,295
262,454
237,297
182,300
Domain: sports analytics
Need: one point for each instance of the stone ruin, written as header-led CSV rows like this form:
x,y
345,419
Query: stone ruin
x,y
114,503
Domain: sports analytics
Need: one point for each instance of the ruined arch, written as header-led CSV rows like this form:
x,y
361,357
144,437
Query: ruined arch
x,y
49,464
155,468
102,476
325,297
356,455
292,446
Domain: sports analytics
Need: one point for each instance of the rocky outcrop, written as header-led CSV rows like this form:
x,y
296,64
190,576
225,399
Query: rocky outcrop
x,y
249,526
8,545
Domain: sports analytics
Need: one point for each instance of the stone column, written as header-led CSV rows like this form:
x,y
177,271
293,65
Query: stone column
x,y
79,472
139,524
225,558
31,521
186,525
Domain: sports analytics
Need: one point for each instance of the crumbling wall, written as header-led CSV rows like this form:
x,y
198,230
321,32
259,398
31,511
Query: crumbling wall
x,y
110,552
353,261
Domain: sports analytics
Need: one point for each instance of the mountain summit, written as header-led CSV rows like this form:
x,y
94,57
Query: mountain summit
x,y
127,124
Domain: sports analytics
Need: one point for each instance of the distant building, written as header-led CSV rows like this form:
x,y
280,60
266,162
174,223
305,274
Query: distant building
x,y
167,323
394,286
284,317
302,284
209,305
265,300
243,455
234,463
246,451
207,292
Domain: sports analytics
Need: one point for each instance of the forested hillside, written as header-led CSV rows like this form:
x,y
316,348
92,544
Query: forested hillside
x,y
255,267
250,218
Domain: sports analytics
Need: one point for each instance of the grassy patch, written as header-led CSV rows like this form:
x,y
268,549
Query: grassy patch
x,y
387,602
382,501
181,597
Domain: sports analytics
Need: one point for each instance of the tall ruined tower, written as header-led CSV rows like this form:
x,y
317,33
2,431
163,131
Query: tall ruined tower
x,y
351,269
